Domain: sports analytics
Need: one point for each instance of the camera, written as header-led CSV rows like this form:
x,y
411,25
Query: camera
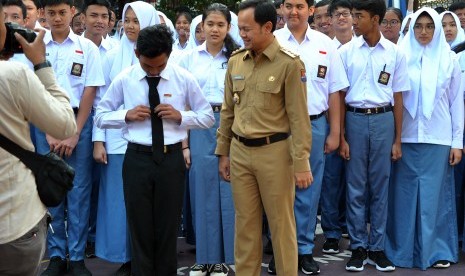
x,y
11,44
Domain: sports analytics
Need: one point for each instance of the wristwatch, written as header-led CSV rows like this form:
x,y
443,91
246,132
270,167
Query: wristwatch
x,y
41,65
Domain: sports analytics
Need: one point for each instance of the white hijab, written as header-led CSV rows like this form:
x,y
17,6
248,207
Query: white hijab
x,y
234,31
402,27
168,23
125,56
429,66
192,42
460,33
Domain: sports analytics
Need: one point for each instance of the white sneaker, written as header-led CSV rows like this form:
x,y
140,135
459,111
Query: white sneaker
x,y
219,270
199,270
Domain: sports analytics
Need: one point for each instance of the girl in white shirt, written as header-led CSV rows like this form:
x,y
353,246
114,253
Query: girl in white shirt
x,y
211,197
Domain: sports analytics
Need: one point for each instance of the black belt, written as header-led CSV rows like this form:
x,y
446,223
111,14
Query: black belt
x,y
314,117
75,110
371,110
216,108
148,149
258,142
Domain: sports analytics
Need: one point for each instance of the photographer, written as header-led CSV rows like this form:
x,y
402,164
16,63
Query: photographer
x,y
26,98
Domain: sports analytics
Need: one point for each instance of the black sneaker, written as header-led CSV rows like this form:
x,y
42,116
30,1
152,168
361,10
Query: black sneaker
x,y
124,270
199,270
441,264
272,267
56,267
218,270
78,268
379,259
331,246
90,250
358,260
308,265
268,248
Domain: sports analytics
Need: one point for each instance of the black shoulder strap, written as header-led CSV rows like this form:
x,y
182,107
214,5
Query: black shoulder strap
x,y
26,156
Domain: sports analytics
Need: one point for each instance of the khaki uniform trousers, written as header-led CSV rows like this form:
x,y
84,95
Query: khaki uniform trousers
x,y
262,177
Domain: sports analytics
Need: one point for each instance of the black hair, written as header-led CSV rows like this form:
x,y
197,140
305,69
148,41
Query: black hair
x,y
264,11
459,47
339,4
374,7
310,3
52,3
229,43
18,3
186,14
397,11
155,40
440,9
457,6
277,3
322,3
75,15
103,3
311,19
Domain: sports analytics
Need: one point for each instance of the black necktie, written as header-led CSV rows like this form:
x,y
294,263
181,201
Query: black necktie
x,y
157,124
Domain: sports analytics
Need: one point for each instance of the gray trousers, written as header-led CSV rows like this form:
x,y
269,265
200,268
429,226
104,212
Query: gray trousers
x,y
23,255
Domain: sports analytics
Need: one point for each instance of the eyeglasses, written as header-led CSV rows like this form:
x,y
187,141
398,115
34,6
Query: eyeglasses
x,y
338,15
429,28
279,18
392,22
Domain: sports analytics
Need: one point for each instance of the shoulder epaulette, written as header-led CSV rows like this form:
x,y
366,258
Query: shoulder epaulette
x,y
238,51
289,52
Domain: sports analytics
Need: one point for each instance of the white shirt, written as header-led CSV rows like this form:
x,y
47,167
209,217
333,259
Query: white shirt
x,y
323,65
364,65
209,71
177,87
74,51
445,127
20,57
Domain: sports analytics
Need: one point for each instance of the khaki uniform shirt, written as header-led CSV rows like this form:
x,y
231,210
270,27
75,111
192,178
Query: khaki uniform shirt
x,y
264,97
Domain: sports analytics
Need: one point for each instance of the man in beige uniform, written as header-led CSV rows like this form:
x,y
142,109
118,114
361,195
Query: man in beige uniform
x,y
26,97
265,101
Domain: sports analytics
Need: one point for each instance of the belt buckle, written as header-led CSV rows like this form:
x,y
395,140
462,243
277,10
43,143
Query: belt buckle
x,y
368,111
165,149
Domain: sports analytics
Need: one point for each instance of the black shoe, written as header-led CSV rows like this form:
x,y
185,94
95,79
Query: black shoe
x,y
56,267
90,250
272,267
199,270
308,265
379,259
218,270
124,270
331,246
268,249
441,264
358,260
78,268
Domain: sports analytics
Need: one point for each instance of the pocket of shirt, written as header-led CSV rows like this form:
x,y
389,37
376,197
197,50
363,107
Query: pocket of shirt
x,y
267,97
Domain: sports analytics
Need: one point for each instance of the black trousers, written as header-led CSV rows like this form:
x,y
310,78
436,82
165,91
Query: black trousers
x,y
153,196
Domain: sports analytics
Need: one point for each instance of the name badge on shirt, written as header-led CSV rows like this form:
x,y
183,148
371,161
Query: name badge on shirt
x,y
321,71
303,76
76,69
384,77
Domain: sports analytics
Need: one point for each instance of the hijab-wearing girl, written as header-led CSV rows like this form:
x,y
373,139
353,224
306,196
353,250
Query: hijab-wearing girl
x,y
452,29
422,228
